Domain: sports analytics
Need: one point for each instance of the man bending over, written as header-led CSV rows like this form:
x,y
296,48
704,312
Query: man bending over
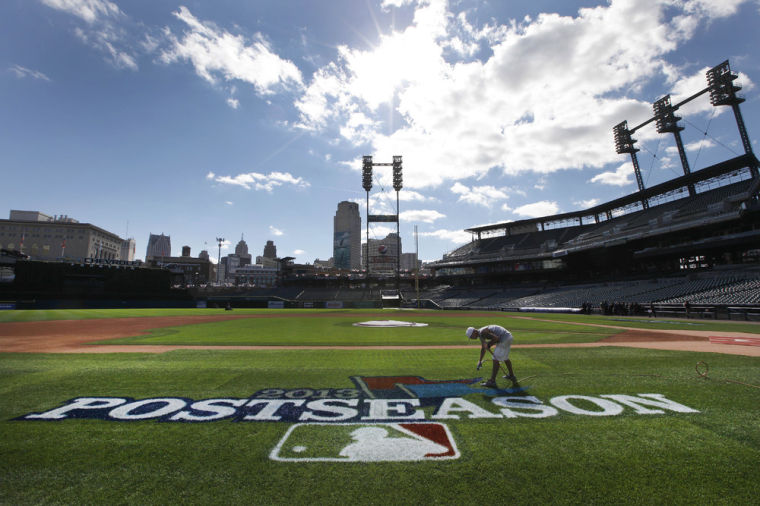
x,y
501,339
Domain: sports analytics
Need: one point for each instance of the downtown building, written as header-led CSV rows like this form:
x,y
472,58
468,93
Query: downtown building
x,y
347,237
383,254
186,269
46,238
158,246
270,250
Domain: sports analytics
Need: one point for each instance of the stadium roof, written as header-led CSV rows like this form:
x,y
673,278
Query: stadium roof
x,y
714,171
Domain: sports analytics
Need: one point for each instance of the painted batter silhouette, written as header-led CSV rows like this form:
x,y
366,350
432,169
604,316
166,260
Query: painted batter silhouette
x,y
373,444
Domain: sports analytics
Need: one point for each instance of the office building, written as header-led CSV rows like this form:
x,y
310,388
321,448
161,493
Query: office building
x,y
241,250
347,232
158,246
409,262
383,254
128,248
270,250
45,237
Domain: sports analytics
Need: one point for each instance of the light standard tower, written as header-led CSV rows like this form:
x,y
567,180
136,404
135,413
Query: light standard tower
x,y
367,185
367,165
397,185
219,240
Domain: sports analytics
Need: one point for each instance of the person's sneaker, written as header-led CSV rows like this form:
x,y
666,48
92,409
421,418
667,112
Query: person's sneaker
x,y
511,377
489,384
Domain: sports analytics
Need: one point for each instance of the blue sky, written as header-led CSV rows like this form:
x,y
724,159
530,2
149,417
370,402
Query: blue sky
x,y
204,119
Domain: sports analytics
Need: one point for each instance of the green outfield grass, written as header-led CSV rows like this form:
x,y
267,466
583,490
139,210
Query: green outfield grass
x,y
409,315
339,329
705,457
87,314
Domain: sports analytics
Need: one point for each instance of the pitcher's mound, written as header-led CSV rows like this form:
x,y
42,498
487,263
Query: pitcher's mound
x,y
389,323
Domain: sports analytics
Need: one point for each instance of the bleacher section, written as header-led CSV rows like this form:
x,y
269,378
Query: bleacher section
x,y
736,286
709,206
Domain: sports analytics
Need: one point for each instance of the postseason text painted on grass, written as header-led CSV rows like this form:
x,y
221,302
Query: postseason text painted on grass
x,y
376,399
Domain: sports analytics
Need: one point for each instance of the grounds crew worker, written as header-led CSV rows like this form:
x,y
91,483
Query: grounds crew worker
x,y
491,335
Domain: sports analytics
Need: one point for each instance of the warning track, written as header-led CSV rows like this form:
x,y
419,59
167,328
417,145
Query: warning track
x,y
74,336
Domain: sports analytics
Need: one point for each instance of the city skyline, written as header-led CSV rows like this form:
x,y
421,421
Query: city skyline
x,y
217,119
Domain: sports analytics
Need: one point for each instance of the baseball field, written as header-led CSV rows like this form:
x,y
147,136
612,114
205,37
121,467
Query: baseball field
x,y
361,407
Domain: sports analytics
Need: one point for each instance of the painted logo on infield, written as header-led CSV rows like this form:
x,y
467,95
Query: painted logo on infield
x,y
383,442
377,399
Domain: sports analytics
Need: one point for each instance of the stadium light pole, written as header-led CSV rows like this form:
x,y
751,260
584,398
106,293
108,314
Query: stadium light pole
x,y
367,185
397,185
367,165
219,240
720,82
624,143
666,121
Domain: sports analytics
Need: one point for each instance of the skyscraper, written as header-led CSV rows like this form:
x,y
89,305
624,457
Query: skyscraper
x,y
159,246
241,250
270,250
347,236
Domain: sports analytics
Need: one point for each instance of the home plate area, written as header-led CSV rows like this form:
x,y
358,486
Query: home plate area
x,y
743,341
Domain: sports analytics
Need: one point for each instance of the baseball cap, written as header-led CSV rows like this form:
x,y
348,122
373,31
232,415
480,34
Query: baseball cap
x,y
469,332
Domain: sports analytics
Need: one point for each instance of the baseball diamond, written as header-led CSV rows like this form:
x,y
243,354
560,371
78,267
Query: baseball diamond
x,y
115,406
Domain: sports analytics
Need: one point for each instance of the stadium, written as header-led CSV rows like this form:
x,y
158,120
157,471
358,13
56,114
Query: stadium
x,y
686,245
636,351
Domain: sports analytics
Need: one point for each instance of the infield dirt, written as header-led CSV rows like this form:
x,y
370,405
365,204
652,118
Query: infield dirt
x,y
74,336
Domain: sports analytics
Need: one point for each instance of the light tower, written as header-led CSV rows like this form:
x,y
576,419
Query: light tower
x,y
624,143
219,240
667,121
397,185
367,165
720,81
367,185
722,89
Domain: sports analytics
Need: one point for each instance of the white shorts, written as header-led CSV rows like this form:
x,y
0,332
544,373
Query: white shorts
x,y
501,350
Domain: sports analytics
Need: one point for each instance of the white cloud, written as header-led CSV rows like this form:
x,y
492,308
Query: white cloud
x,y
537,209
216,53
23,72
423,215
622,176
585,204
380,231
256,181
89,10
106,29
385,202
711,8
275,231
229,203
699,145
233,102
480,195
545,99
386,4
299,252
453,236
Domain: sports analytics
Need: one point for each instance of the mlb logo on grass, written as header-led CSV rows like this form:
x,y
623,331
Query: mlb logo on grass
x,y
365,442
